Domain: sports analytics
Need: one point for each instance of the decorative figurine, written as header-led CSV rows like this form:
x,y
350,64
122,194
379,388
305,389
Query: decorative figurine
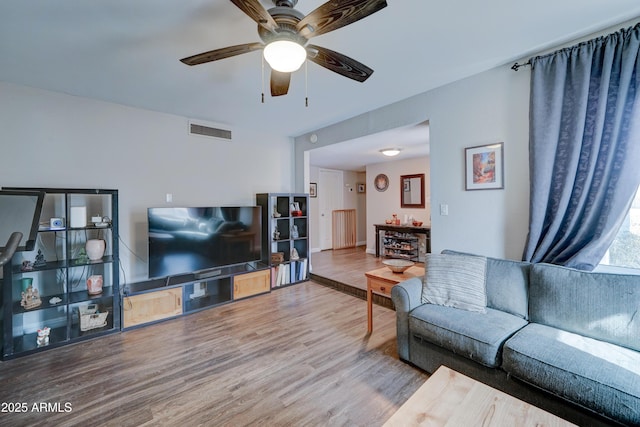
x,y
26,266
40,261
294,232
294,255
276,234
276,214
43,336
30,298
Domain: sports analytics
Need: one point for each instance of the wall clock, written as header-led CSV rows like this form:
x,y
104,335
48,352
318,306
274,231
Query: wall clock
x,y
381,182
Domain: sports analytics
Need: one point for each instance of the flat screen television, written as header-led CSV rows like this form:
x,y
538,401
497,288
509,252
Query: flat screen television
x,y
195,240
20,211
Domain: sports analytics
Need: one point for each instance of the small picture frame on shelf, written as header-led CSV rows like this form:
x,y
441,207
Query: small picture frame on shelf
x,y
313,189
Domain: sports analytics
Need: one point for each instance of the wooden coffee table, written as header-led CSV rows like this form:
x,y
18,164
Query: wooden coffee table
x,y
381,281
452,399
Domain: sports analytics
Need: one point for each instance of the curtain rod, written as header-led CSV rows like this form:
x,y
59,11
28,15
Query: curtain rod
x,y
516,66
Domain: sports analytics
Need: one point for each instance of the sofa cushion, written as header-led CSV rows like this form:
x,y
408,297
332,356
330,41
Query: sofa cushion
x,y
477,336
507,283
603,306
598,375
455,281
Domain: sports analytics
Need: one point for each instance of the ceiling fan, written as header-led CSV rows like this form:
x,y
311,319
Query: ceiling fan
x,y
285,32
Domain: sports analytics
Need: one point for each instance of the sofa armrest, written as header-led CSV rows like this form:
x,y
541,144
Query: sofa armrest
x,y
406,296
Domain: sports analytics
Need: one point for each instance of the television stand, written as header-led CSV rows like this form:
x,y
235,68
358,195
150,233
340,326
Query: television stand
x,y
154,300
207,274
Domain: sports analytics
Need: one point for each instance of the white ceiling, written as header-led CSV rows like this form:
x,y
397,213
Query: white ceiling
x,y
128,52
355,154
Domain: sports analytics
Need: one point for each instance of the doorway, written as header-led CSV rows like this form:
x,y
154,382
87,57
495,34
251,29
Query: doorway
x,y
330,182
353,158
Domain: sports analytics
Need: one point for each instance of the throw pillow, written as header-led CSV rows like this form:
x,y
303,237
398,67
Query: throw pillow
x,y
455,281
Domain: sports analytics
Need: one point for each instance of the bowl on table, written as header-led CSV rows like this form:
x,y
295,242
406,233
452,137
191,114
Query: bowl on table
x,y
398,265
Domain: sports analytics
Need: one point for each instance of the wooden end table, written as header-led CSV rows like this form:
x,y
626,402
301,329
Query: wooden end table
x,y
381,281
453,399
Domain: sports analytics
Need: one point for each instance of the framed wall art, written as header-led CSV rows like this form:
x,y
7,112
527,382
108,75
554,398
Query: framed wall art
x,y
313,189
362,188
381,182
484,167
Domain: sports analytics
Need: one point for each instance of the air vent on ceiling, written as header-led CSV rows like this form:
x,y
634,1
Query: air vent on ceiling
x,y
209,131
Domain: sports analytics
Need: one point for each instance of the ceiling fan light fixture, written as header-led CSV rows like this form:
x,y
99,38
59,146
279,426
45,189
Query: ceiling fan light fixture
x,y
285,56
390,152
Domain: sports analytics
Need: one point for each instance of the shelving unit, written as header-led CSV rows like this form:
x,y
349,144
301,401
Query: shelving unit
x,y
283,230
400,245
402,241
60,276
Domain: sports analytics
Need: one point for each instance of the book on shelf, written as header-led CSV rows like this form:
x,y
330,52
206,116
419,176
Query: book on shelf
x,y
303,269
290,272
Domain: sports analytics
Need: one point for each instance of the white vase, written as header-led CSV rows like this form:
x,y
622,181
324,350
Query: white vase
x,y
95,249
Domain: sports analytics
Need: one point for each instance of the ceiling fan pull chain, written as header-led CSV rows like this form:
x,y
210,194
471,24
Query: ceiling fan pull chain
x,y
306,83
262,62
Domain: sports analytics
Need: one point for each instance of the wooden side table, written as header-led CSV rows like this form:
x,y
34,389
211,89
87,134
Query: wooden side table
x,y
381,281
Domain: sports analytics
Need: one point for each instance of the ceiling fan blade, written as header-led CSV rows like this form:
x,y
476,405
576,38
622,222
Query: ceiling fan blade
x,y
338,63
257,12
225,52
336,14
279,83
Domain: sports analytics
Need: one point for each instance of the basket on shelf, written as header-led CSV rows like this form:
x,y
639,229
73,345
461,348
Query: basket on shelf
x,y
277,258
91,318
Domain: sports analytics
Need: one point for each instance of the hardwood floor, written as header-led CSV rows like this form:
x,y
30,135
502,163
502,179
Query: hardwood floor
x,y
344,269
295,357
345,266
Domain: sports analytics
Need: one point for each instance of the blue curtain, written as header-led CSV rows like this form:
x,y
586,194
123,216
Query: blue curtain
x,y
584,150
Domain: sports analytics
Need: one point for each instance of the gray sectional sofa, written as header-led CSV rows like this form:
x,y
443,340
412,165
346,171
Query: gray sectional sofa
x,y
562,339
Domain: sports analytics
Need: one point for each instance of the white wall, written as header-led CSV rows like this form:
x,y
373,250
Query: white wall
x,y
381,205
489,107
56,140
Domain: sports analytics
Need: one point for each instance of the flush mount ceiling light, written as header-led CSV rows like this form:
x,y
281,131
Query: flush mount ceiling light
x,y
285,56
390,152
